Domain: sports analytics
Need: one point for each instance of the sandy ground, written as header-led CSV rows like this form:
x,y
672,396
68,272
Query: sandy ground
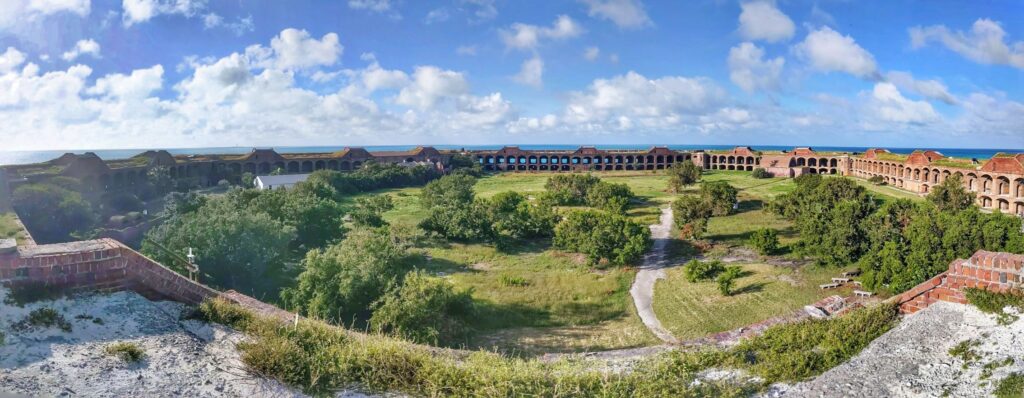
x,y
183,358
913,359
648,275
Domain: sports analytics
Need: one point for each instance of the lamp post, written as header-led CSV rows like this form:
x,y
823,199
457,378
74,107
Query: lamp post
x,y
193,269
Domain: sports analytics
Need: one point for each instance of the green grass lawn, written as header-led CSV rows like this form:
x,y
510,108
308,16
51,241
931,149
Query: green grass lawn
x,y
693,310
10,229
886,192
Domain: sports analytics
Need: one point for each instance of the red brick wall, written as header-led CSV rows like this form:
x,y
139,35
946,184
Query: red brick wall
x,y
104,265
984,270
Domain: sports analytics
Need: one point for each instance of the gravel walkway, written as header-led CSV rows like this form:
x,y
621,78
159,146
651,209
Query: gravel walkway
x,y
652,270
913,359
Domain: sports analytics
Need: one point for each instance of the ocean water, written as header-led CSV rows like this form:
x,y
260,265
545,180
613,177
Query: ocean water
x,y
23,157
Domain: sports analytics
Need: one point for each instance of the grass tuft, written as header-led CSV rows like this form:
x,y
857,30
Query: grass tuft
x,y
43,318
126,351
1010,387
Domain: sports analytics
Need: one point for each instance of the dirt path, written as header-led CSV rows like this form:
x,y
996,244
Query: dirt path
x,y
652,270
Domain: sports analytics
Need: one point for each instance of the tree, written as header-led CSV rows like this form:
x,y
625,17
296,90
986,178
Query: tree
x,y
450,190
765,241
468,222
760,173
951,194
514,217
160,177
464,164
602,236
340,283
609,197
682,174
248,180
727,280
178,204
237,249
426,310
570,189
369,211
719,196
690,214
51,213
697,271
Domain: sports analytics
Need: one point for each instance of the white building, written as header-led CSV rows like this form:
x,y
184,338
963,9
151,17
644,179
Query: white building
x,y
283,181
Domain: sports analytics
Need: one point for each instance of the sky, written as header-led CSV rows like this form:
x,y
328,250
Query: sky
x,y
94,74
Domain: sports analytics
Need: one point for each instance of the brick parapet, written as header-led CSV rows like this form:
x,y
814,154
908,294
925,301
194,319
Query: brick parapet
x,y
104,265
993,271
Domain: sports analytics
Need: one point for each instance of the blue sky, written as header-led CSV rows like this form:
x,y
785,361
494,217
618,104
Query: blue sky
x,y
77,74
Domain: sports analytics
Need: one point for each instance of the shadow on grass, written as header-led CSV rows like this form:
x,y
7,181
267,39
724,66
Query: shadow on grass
x,y
493,316
751,288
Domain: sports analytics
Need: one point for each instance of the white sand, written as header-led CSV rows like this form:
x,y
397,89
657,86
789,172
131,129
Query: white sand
x,y
913,359
183,358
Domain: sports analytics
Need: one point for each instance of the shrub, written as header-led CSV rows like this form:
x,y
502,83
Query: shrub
x,y
52,213
571,189
964,351
128,352
727,280
609,197
450,190
690,214
1010,387
697,271
765,241
877,180
719,196
951,194
600,235
760,173
369,211
796,351
425,310
995,303
43,318
682,174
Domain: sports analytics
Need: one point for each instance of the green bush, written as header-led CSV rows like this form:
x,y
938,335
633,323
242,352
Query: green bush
x,y
600,235
877,180
697,271
1010,387
727,280
43,318
765,241
797,351
682,174
719,196
126,351
690,215
760,173
425,310
994,303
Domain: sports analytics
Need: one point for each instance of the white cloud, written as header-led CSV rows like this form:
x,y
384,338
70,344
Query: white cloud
x,y
21,16
239,27
750,71
11,59
528,37
761,20
889,105
983,44
624,13
591,53
431,85
80,7
138,11
82,47
465,50
994,114
483,9
933,89
436,16
370,5
295,49
531,73
634,99
830,51
141,83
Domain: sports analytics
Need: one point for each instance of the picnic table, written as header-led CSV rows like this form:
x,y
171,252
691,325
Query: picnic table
x,y
829,286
